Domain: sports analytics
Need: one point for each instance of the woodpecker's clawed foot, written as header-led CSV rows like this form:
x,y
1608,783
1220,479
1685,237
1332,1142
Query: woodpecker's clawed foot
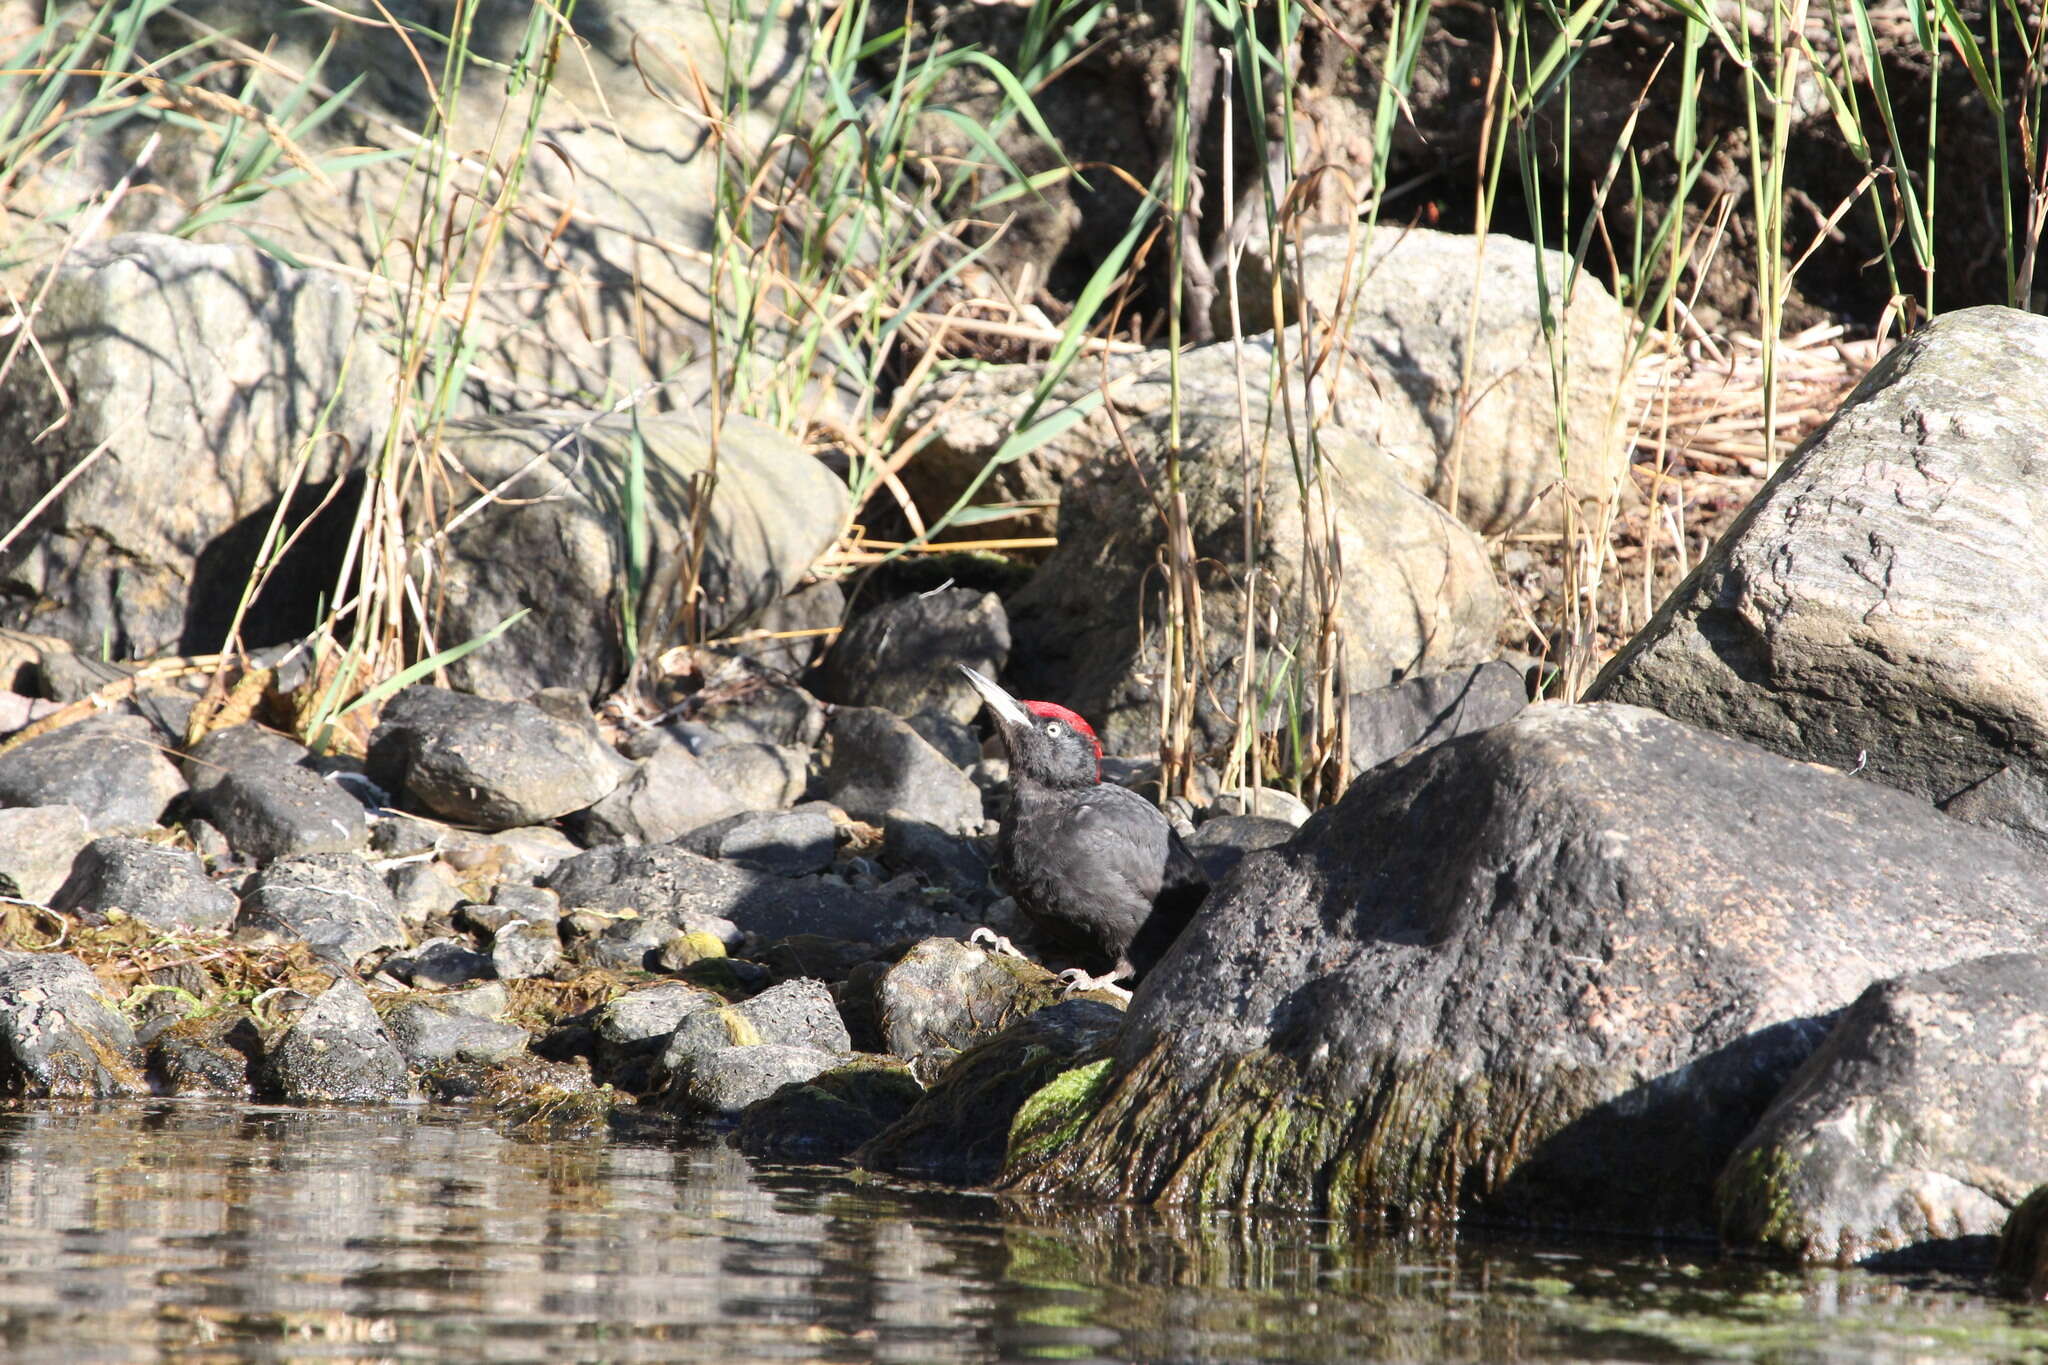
x,y
1079,981
983,936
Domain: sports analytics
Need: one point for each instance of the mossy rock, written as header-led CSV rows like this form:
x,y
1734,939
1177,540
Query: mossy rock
x,y
209,1055
960,1131
1054,1114
826,1118
561,1098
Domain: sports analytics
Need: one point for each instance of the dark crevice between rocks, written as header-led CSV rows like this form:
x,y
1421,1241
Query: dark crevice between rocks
x,y
292,600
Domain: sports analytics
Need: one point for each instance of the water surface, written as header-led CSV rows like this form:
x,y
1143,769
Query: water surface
x,y
168,1230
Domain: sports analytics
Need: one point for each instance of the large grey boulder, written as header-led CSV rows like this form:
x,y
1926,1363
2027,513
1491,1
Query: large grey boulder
x,y
1463,407
201,368
1466,402
1553,972
554,541
1915,1130
1415,592
1874,607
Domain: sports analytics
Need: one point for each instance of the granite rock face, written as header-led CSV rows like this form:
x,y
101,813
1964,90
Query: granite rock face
x,y
1483,390
238,356
1872,609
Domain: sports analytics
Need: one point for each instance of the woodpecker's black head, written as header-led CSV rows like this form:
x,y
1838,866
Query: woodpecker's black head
x,y
1045,741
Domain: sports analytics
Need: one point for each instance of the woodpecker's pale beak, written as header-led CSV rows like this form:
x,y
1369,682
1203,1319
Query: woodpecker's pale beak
x,y
1002,703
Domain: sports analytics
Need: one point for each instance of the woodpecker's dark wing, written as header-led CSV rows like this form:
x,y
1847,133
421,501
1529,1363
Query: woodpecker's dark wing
x,y
1138,884
1181,893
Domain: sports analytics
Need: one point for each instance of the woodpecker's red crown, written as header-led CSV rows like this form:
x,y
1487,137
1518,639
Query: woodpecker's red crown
x,y
1052,710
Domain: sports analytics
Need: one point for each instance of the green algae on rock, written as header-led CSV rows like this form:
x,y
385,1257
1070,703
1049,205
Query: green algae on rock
x,y
960,1131
1053,1116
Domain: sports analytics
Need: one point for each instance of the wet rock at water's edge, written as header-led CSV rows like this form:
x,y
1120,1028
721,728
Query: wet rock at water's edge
x,y
1914,1130
722,1084
826,1117
1537,974
334,1051
960,1131
61,1038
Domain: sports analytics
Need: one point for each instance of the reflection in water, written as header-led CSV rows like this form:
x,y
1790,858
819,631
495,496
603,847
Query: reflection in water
x,y
170,1231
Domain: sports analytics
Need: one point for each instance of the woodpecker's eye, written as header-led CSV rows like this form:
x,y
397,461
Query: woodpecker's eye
x,y
1052,728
